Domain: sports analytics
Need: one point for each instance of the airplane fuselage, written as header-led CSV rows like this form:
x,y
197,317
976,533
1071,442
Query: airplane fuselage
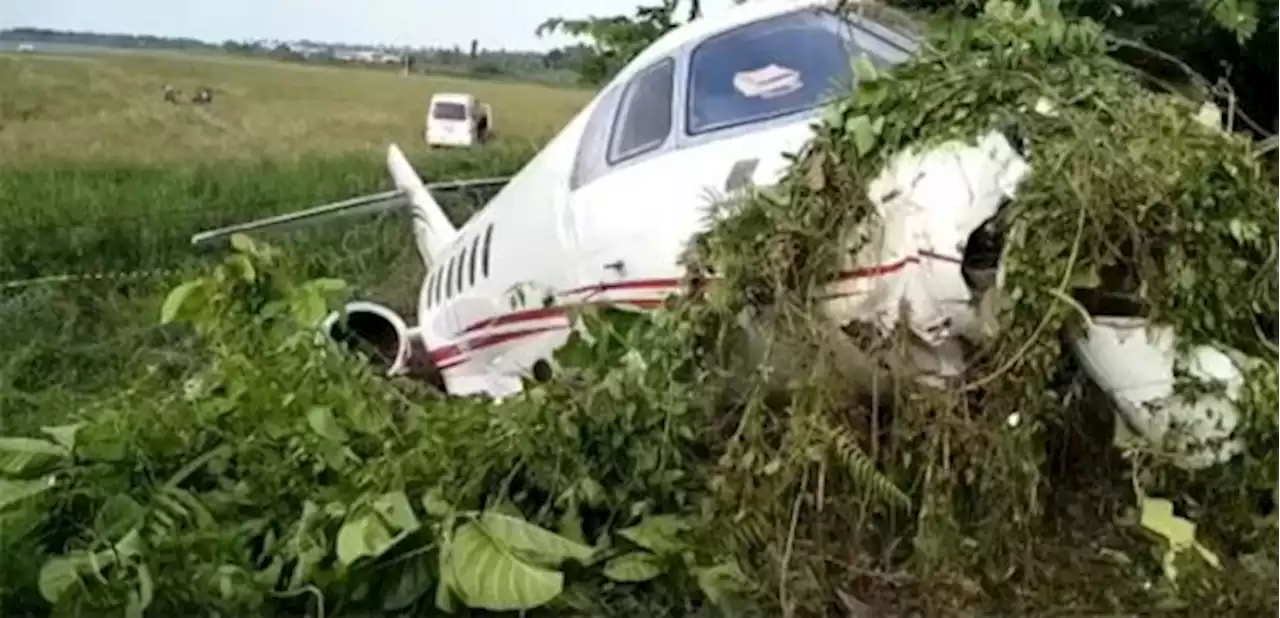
x,y
602,213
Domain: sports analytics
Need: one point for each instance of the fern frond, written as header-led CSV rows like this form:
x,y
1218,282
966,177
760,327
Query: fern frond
x,y
173,509
750,533
861,468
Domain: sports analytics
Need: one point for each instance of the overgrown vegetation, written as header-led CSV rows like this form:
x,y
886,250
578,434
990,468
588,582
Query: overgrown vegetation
x,y
1230,44
657,474
87,248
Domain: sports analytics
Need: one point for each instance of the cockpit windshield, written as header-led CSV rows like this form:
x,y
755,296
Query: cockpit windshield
x,y
780,66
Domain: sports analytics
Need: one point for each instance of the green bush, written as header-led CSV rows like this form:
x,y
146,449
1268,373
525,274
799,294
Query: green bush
x,y
658,474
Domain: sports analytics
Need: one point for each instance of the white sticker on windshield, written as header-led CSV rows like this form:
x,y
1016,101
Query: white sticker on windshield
x,y
768,82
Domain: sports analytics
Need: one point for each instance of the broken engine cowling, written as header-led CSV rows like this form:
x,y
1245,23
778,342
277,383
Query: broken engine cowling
x,y
380,333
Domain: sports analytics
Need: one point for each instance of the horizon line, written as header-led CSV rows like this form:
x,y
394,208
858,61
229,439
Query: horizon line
x,y
17,29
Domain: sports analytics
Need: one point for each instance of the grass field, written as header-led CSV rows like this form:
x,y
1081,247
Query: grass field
x,y
58,108
102,183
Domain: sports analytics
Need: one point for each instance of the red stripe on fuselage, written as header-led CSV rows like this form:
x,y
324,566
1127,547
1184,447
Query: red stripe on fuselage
x,y
442,356
447,353
446,357
635,284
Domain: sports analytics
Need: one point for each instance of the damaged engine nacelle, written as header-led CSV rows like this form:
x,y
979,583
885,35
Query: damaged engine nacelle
x,y
380,333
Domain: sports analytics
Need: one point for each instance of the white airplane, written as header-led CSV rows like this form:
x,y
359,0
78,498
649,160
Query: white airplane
x,y
602,213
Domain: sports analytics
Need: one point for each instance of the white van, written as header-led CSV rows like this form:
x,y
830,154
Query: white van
x,y
455,119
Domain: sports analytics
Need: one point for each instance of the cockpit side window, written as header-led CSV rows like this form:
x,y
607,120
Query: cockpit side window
x,y
644,122
777,66
589,163
879,44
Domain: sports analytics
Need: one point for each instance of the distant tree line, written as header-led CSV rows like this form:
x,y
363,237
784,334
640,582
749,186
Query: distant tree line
x,y
557,65
125,41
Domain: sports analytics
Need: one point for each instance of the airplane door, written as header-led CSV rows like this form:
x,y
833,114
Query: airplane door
x,y
626,207
631,226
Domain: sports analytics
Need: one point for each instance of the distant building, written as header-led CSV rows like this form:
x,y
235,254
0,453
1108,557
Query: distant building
x,y
368,56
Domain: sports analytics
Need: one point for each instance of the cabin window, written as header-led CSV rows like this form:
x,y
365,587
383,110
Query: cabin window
x,y
471,264
462,263
448,111
644,117
488,242
450,284
776,67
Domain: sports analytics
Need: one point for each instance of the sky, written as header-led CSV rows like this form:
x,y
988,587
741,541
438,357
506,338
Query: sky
x,y
497,24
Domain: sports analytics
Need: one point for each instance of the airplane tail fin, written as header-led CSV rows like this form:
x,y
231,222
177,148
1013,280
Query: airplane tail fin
x,y
432,230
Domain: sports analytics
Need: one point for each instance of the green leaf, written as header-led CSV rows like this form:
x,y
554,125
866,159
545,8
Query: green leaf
x,y
569,524
64,435
308,559
863,132
658,533
131,545
57,575
487,576
173,303
15,491
412,580
19,455
591,492
269,576
140,599
248,272
321,421
325,285
394,508
434,504
637,566
120,512
540,544
372,534
1084,278
721,582
308,308
503,506
243,244
444,588
864,71
834,116
1179,533
60,573
363,536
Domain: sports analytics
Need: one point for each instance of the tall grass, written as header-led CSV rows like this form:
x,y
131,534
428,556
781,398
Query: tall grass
x,y
106,216
102,185
109,108
89,249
